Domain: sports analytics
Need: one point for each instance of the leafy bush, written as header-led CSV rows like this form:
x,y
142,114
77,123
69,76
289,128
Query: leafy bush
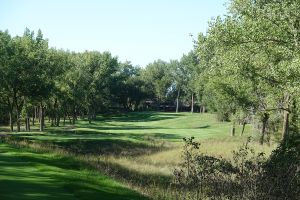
x,y
247,176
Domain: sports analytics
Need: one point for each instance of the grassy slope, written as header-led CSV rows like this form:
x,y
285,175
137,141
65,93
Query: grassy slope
x,y
133,135
145,144
30,175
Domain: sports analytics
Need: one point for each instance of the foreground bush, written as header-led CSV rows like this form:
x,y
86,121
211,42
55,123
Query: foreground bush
x,y
247,176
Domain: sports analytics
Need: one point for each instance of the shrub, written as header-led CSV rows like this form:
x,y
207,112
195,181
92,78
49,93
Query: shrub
x,y
281,178
247,176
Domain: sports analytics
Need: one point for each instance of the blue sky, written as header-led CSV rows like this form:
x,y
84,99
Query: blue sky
x,y
139,31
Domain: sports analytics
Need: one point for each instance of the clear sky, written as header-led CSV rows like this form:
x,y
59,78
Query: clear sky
x,y
139,31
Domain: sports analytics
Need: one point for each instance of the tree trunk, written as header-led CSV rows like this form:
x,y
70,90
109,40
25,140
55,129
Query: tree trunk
x,y
89,116
177,101
243,128
192,104
15,101
233,129
10,114
263,129
42,118
18,115
203,109
74,115
285,128
286,114
56,115
38,112
33,116
57,120
28,123
64,117
70,120
18,119
11,121
64,120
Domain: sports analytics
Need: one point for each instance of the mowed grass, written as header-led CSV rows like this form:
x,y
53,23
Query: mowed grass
x,y
149,142
144,147
139,126
30,175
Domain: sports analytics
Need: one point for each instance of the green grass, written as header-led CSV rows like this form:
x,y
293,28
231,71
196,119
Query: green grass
x,y
138,133
141,148
30,175
141,126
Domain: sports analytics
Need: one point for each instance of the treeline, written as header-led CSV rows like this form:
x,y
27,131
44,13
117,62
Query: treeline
x,y
250,65
245,68
37,82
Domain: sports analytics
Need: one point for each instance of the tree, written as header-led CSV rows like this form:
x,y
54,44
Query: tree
x,y
258,44
180,76
5,74
157,76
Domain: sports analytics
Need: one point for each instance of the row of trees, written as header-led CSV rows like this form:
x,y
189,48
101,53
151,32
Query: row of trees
x,y
245,68
38,81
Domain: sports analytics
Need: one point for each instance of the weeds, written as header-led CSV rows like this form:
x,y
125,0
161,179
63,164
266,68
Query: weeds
x,y
247,176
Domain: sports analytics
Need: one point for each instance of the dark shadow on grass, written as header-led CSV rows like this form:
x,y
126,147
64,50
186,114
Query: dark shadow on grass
x,y
27,134
19,179
204,126
21,161
138,117
116,144
121,127
114,147
85,135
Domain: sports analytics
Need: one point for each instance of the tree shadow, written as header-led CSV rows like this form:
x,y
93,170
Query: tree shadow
x,y
21,179
202,127
116,144
137,117
115,147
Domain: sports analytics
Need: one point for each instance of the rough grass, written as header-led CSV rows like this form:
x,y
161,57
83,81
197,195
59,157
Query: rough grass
x,y
144,148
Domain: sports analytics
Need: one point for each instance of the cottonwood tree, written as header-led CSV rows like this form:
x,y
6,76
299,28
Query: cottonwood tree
x,y
6,52
157,76
190,63
259,43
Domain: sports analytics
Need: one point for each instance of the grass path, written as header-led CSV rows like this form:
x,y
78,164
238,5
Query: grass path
x,y
30,175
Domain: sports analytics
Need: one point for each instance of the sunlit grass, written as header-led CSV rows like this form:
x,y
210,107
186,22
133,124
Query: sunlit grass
x,y
139,148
